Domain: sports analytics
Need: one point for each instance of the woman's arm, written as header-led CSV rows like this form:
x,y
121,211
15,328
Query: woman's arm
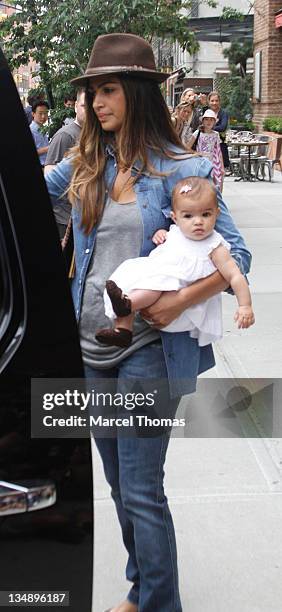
x,y
172,303
58,180
226,226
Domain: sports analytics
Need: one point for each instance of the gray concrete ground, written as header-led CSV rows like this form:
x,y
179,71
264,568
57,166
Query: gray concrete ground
x,y
225,493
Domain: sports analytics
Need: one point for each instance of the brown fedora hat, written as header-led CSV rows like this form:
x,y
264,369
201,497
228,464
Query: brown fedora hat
x,y
121,54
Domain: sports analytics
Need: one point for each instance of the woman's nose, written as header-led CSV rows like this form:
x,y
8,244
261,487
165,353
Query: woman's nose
x,y
98,101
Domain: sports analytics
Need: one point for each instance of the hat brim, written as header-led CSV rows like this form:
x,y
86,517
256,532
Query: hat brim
x,y
152,75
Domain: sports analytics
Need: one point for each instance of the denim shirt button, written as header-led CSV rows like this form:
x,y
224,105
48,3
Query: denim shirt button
x,y
87,250
145,205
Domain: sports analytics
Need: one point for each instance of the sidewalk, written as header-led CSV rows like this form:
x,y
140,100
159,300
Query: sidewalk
x,y
225,494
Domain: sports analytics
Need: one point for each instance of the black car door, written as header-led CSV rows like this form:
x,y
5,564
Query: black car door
x,y
46,508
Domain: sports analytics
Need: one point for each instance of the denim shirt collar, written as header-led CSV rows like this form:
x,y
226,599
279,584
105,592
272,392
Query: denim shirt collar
x,y
136,167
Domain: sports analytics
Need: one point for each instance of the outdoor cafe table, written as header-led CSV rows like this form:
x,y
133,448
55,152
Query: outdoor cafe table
x,y
248,176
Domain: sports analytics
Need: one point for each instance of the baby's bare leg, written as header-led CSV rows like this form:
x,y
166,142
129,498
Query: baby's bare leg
x,y
143,298
125,322
139,298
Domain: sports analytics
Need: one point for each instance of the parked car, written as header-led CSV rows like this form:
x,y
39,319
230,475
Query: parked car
x,y
46,507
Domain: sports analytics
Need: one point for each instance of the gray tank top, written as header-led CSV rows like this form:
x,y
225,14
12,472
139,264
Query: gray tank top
x,y
119,237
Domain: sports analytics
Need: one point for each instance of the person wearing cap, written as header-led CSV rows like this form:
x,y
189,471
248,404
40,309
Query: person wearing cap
x,y
207,143
119,180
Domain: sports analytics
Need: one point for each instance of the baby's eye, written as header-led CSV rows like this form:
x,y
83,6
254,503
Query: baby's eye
x,y
187,216
206,214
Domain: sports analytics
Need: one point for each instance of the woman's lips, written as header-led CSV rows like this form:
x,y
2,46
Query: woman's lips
x,y
102,117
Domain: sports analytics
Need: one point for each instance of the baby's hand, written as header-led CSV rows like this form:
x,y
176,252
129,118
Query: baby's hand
x,y
244,316
159,237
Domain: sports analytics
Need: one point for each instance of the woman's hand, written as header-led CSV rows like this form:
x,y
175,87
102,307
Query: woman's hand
x,y
167,308
172,303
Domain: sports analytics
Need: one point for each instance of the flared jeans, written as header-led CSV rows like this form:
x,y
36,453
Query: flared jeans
x,y
134,469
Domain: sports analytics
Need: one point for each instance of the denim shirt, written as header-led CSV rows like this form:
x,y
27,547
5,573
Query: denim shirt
x,y
184,358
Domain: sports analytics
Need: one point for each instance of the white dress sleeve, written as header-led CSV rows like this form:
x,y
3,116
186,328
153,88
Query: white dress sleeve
x,y
215,240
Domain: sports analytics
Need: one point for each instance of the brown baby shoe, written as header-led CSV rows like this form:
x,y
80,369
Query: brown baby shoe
x,y
121,303
115,337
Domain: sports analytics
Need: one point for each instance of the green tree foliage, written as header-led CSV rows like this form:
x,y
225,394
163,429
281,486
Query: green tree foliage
x,y
239,90
237,55
59,34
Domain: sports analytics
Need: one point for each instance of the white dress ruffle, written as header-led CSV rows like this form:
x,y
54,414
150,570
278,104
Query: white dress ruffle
x,y
173,265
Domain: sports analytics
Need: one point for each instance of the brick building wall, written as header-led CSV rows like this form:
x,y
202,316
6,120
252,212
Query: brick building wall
x,y
268,40
22,75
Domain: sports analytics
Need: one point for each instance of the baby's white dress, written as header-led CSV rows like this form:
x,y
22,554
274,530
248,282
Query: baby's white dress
x,y
175,264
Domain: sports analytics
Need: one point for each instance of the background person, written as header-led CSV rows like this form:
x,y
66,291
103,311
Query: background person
x,y
69,104
63,140
208,144
190,97
185,121
221,125
39,117
199,101
120,180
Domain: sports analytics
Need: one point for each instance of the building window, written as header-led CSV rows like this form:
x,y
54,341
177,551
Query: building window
x,y
194,8
258,75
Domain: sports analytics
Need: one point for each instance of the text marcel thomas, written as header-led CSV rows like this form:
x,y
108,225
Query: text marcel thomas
x,y
86,400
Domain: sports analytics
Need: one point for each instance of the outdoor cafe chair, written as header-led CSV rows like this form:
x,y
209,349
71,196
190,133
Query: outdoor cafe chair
x,y
258,153
266,162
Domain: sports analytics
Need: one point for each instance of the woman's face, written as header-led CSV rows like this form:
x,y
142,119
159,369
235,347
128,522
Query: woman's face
x,y
189,96
109,103
214,103
185,112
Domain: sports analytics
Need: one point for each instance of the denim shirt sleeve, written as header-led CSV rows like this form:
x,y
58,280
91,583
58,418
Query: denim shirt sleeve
x,y
198,166
58,180
226,226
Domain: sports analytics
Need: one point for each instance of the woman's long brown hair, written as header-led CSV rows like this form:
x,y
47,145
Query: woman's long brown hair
x,y
147,125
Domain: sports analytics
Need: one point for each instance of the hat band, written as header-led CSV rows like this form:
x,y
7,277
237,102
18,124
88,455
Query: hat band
x,y
110,69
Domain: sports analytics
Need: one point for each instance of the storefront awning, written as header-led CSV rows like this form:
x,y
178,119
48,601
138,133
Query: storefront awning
x,y
278,19
217,29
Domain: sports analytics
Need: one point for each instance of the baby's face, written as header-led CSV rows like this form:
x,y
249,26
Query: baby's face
x,y
195,219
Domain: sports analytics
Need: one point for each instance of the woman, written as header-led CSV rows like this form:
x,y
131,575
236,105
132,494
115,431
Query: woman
x,y
198,101
220,126
120,180
190,97
184,120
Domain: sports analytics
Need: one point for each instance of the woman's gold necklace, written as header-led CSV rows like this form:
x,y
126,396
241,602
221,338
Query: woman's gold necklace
x,y
125,186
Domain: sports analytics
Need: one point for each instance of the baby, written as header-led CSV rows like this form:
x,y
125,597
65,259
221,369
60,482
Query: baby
x,y
190,250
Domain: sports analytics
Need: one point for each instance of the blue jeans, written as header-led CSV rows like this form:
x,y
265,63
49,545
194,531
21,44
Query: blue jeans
x,y
134,469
